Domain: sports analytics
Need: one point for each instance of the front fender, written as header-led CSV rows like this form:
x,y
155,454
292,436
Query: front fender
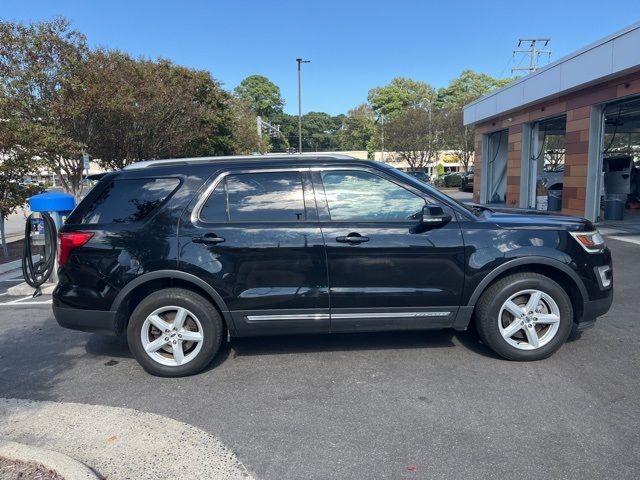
x,y
523,261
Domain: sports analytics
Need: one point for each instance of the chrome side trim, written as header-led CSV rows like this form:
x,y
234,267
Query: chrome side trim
x,y
300,316
344,316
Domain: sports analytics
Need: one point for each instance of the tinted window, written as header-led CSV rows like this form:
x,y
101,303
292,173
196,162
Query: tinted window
x,y
256,197
353,195
125,201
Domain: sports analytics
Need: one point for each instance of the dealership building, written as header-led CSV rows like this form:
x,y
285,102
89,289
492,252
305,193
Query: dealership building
x,y
569,131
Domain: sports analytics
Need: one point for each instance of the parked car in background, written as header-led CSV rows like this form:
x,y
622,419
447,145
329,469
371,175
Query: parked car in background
x,y
181,254
552,178
466,179
422,176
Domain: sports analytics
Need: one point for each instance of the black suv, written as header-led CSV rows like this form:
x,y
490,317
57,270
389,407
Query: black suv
x,y
179,254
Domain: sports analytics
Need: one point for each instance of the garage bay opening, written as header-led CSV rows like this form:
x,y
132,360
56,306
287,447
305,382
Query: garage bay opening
x,y
620,171
494,175
545,169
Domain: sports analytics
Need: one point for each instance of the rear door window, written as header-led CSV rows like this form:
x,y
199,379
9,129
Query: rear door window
x,y
127,201
256,197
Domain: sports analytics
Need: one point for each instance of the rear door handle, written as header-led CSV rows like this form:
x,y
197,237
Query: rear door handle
x,y
208,238
352,238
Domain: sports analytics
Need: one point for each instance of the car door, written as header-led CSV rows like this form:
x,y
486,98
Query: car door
x,y
256,239
386,270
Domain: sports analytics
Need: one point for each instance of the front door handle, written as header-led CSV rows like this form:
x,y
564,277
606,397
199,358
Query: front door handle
x,y
208,239
353,237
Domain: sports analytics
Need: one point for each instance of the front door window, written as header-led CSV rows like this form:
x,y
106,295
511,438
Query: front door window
x,y
363,196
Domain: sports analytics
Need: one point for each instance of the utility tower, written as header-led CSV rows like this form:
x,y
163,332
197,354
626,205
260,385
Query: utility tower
x,y
535,49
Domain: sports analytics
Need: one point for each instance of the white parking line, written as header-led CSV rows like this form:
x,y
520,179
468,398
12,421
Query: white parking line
x,y
630,239
28,300
11,276
12,304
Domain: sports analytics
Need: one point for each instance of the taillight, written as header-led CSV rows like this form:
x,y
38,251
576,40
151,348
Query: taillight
x,y
67,241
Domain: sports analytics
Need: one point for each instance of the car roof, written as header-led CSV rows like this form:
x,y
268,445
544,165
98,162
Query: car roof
x,y
299,159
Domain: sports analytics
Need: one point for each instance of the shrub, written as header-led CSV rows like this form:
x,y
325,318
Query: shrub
x,y
452,180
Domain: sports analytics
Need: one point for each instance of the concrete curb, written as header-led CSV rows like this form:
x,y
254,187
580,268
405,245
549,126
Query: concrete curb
x,y
23,289
64,465
10,266
120,443
15,264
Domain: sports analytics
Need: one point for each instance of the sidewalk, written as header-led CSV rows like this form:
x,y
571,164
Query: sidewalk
x,y
120,443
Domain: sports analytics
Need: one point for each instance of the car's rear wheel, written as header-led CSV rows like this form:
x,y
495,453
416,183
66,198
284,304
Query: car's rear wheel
x,y
524,316
174,332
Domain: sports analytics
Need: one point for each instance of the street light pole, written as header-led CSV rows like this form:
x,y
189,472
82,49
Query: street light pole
x,y
300,61
382,134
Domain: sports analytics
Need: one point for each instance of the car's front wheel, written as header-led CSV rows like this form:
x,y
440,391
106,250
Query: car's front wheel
x,y
524,316
174,332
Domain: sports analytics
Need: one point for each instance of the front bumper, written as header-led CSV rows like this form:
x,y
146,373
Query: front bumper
x,y
594,308
95,321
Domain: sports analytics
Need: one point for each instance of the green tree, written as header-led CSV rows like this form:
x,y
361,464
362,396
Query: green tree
x,y
358,130
401,94
245,134
451,101
414,135
288,138
17,161
319,130
125,110
262,95
469,86
37,62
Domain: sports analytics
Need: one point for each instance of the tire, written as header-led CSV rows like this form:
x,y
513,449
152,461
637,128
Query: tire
x,y
496,319
153,333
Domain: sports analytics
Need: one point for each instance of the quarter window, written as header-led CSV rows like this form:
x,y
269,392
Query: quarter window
x,y
256,197
126,201
363,196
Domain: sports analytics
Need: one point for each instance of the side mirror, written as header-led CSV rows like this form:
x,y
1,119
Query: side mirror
x,y
434,216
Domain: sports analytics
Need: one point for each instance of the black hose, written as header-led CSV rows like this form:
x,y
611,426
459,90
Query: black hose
x,y
35,274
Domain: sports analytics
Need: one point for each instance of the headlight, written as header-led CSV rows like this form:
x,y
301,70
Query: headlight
x,y
592,242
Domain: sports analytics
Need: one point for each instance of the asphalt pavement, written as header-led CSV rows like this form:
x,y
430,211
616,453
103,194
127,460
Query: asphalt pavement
x,y
413,405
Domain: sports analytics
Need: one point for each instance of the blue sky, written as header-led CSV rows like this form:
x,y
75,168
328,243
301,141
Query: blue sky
x,y
353,45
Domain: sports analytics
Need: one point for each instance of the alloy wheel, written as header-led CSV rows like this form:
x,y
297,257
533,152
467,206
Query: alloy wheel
x,y
172,336
529,319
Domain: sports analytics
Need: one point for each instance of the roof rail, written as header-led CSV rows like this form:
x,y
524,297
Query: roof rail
x,y
272,156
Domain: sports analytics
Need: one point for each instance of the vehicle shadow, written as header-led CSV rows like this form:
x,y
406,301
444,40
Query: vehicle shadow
x,y
470,340
247,346
33,355
117,347
108,346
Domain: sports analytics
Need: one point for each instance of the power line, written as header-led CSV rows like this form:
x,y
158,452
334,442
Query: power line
x,y
532,51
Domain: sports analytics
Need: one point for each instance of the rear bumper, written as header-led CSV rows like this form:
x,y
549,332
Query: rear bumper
x,y
95,321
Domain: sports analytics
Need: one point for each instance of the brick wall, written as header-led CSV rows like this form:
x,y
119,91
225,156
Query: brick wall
x,y
577,106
